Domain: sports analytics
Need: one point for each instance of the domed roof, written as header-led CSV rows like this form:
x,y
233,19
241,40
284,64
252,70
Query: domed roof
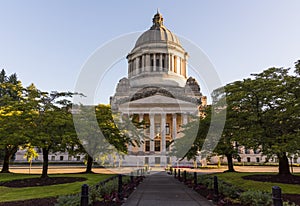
x,y
158,32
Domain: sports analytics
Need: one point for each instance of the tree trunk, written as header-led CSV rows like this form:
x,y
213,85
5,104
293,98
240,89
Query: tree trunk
x,y
284,168
230,163
7,156
89,164
45,163
5,166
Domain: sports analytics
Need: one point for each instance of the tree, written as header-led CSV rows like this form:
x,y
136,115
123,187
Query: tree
x,y
268,112
13,117
30,154
51,122
98,133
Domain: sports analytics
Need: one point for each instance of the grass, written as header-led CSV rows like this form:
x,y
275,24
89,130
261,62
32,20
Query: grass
x,y
13,194
237,180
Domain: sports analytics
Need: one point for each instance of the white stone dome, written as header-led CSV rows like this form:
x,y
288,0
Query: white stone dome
x,y
157,58
161,34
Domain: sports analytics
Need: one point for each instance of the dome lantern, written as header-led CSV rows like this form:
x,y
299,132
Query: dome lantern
x,y
157,20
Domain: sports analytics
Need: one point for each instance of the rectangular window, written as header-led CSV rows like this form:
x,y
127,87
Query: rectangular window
x,y
248,159
167,128
69,157
157,160
157,63
52,158
147,146
61,158
257,151
247,151
146,160
78,158
157,145
168,160
168,142
257,159
295,159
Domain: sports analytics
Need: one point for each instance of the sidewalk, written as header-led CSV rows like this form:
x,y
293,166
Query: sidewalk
x,y
161,189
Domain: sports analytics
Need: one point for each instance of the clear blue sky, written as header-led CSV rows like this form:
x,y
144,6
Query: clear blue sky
x,y
47,42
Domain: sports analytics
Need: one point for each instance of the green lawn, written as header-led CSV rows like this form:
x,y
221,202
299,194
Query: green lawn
x,y
237,180
12,194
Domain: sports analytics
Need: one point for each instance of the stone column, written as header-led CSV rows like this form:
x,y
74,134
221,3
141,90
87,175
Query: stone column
x,y
129,65
160,62
141,117
137,59
147,64
171,62
163,133
143,63
152,127
174,126
184,68
179,66
154,62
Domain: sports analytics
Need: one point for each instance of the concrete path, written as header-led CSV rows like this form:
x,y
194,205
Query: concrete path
x,y
161,189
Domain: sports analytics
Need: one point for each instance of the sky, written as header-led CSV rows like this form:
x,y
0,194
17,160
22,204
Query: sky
x,y
48,42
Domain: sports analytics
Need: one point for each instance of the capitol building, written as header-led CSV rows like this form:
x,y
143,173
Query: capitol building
x,y
157,92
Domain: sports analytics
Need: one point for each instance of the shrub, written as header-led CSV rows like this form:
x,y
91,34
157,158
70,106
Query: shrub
x,y
229,190
256,198
67,200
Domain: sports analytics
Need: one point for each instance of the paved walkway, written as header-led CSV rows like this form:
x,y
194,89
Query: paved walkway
x,y
161,189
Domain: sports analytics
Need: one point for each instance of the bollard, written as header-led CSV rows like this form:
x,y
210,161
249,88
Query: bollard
x,y
131,177
171,170
276,196
216,189
175,173
195,178
184,176
84,195
120,187
179,174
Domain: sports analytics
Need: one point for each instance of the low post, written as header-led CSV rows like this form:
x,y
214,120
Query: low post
x,y
276,196
178,173
84,195
184,176
216,189
120,186
195,178
175,171
171,170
